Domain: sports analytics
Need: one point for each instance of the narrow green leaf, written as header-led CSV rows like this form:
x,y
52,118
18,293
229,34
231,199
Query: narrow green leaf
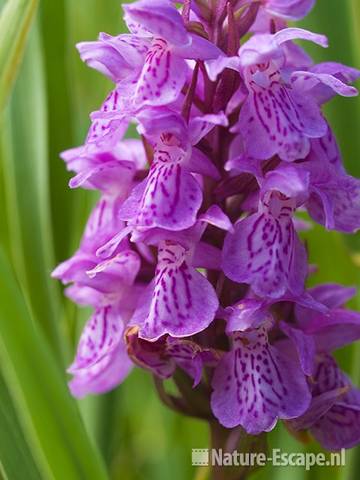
x,y
49,415
355,28
54,30
25,176
15,456
15,22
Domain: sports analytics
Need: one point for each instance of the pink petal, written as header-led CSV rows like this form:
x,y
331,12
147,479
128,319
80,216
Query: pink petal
x,y
290,9
158,17
102,376
266,253
279,121
171,195
100,337
181,302
254,385
162,77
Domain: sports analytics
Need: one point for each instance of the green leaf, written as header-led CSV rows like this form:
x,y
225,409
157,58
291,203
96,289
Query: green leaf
x,y
25,175
54,29
15,456
48,414
15,22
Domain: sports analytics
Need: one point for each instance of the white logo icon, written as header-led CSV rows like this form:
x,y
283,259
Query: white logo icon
x,y
200,457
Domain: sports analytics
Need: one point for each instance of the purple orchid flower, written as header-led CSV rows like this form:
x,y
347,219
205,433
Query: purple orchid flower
x,y
191,258
163,356
107,169
334,195
174,303
334,413
279,115
289,10
255,384
332,417
149,65
265,251
171,196
273,14
101,361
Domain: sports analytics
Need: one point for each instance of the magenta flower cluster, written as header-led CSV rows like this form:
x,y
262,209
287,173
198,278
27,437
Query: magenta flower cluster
x,y
191,258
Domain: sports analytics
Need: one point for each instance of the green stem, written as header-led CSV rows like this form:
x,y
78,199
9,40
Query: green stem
x,y
230,440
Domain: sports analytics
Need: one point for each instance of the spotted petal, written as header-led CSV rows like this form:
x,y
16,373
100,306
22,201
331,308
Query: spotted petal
x,y
103,375
181,302
276,120
169,198
254,385
108,131
266,253
162,77
339,426
100,337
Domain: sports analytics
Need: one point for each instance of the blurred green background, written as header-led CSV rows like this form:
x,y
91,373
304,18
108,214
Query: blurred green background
x,y
126,434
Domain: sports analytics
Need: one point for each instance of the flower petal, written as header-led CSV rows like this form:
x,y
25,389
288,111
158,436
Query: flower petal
x,y
336,203
305,346
199,49
170,199
291,182
263,48
333,295
158,17
198,162
254,385
290,10
181,302
149,355
339,427
119,58
279,121
207,256
319,406
267,254
215,216
162,76
246,314
187,355
201,126
306,81
102,376
100,337
338,328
